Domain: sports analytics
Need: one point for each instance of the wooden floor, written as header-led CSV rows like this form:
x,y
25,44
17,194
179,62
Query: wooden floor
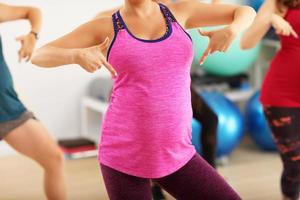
x,y
254,175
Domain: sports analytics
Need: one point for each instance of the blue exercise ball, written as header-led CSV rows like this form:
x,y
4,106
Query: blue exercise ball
x,y
257,124
196,134
230,127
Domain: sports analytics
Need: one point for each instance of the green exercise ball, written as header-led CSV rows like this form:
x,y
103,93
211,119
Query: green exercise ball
x,y
233,62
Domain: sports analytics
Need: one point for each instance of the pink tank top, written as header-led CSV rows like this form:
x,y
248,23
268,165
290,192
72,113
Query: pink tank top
x,y
147,128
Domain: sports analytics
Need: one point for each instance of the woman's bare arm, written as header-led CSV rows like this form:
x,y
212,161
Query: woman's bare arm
x,y
267,16
11,13
85,46
193,14
260,26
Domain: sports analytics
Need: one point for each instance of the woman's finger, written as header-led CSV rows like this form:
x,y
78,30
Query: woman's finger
x,y
29,57
20,38
217,48
205,55
281,32
90,69
224,48
98,66
21,55
293,32
110,68
214,50
286,32
277,31
104,45
204,33
25,56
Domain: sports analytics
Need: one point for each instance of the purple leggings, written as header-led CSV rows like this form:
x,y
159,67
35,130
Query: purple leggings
x,y
197,180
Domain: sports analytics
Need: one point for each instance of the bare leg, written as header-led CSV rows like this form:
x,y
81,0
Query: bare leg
x,y
32,140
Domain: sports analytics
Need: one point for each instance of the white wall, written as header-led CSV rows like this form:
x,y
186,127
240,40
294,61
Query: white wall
x,y
53,94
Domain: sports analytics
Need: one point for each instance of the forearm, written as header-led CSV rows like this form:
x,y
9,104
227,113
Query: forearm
x,y
35,18
66,49
49,57
259,27
197,14
255,33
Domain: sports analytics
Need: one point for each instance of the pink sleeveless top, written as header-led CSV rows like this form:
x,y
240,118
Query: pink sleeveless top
x,y
147,128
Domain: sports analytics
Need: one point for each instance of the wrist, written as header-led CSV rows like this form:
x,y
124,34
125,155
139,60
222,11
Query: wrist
x,y
75,56
273,18
34,34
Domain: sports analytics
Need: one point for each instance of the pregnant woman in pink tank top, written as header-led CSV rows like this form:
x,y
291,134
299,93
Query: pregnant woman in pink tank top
x,y
146,133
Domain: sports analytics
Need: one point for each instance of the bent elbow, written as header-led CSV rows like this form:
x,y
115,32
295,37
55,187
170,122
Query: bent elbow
x,y
35,10
36,59
250,10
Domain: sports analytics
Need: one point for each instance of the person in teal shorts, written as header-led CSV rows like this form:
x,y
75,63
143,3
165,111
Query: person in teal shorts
x,y
18,126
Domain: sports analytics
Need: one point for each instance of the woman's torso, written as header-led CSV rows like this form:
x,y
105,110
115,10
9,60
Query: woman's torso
x,y
282,83
147,128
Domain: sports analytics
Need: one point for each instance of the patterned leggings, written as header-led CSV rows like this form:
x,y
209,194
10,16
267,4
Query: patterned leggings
x,y
285,125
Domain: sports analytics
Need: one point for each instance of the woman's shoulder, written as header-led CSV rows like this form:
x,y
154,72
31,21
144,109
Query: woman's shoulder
x,y
102,24
105,21
178,10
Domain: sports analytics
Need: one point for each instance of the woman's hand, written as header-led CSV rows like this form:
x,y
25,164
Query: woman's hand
x,y
282,27
92,59
219,40
28,43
